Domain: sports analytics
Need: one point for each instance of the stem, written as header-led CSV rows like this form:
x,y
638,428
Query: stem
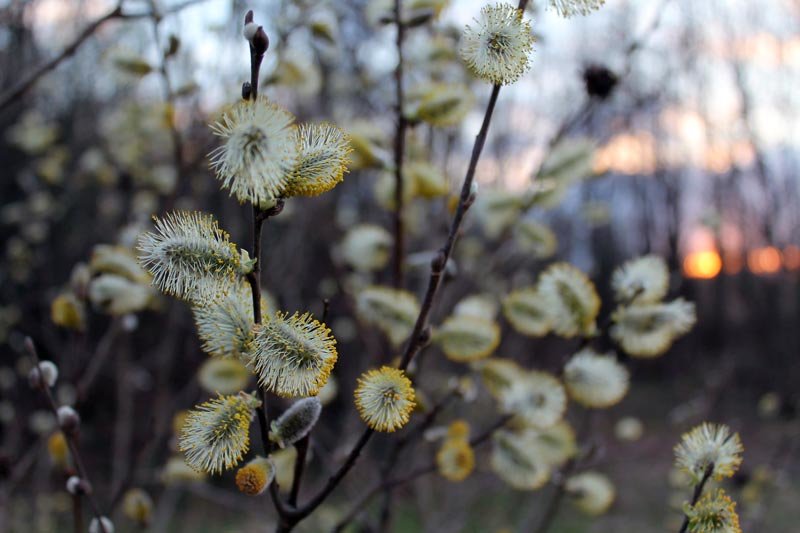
x,y
104,349
399,445
254,279
69,435
326,309
698,491
334,480
169,99
299,465
556,497
77,513
293,516
417,338
399,150
439,263
419,472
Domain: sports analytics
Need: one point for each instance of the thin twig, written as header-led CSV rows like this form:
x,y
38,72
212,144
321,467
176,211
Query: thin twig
x,y
99,358
399,446
17,91
440,261
334,480
254,279
698,491
169,99
417,338
77,513
69,435
299,465
399,152
555,499
417,473
290,517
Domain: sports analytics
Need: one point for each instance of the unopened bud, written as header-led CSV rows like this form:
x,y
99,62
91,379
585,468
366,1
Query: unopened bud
x,y
248,17
419,17
107,525
43,375
260,41
296,422
77,486
425,336
438,262
473,194
79,280
173,46
68,419
247,90
600,81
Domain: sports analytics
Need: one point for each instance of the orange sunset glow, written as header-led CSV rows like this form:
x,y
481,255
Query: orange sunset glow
x,y
705,264
766,260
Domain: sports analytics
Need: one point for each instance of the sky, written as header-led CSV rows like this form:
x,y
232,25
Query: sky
x,y
690,61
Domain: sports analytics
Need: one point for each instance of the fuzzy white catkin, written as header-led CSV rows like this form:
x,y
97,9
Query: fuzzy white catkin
x,y
296,422
73,485
250,30
108,525
68,418
46,371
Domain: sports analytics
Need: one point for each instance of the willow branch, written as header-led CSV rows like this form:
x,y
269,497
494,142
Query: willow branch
x,y
698,491
69,435
440,261
398,447
299,465
556,497
417,338
390,484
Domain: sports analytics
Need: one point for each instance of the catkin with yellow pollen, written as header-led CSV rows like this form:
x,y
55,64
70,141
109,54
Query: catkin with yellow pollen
x,y
293,355
498,47
455,460
384,399
322,160
191,257
216,434
254,477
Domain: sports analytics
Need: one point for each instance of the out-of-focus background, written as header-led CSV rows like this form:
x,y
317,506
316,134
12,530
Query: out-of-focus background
x,y
696,159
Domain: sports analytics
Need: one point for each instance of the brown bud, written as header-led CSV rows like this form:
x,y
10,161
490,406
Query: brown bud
x,y
473,195
78,486
438,262
600,81
68,419
418,18
248,18
260,42
43,375
173,46
425,337
247,90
